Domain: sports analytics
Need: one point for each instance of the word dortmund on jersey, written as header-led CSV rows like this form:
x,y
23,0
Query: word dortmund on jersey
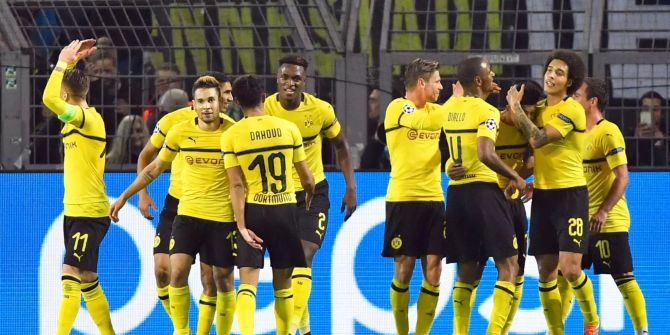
x,y
468,118
84,142
315,118
412,136
205,187
605,150
265,148
559,164
511,147
158,138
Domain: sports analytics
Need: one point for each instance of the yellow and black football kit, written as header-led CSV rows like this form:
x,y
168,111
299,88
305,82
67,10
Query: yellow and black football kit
x,y
205,193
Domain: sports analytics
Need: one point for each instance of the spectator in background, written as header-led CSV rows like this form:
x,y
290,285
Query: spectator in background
x,y
169,101
651,132
374,155
104,89
167,77
131,136
47,141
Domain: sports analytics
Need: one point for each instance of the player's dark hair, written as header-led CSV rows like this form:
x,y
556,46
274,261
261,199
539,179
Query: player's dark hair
x,y
597,88
419,68
248,91
219,76
532,93
294,60
576,67
76,82
468,69
206,82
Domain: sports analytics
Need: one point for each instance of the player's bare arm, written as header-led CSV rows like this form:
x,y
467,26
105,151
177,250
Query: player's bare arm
x,y
238,198
149,174
344,158
307,181
486,153
144,159
535,136
615,193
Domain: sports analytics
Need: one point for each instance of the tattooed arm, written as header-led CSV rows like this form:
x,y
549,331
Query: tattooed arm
x,y
535,136
151,172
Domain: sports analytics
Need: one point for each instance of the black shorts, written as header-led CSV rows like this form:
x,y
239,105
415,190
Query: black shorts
x,y
164,229
414,228
213,240
559,221
479,224
276,226
520,220
609,253
313,223
83,237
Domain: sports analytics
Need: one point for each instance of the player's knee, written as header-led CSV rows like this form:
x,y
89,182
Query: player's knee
x,y
162,276
571,272
404,267
310,250
223,278
507,268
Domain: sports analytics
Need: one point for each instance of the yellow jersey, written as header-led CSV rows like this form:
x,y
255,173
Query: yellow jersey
x,y
265,147
412,136
466,119
511,147
84,142
559,164
315,119
204,181
605,150
158,138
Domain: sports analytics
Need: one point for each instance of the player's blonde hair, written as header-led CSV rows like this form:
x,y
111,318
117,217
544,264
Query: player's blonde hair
x,y
206,82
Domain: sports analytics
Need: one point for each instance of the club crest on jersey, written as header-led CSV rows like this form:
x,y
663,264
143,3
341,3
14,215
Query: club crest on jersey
x,y
308,121
490,124
408,109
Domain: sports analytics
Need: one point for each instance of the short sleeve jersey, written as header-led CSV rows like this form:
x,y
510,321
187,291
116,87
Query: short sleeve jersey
x,y
414,152
559,164
466,119
315,119
158,138
605,150
84,165
511,147
265,148
205,187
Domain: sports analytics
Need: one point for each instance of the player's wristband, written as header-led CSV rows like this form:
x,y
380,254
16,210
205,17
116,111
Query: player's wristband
x,y
61,66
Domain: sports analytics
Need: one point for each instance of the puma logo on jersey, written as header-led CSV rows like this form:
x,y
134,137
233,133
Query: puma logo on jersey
x,y
192,139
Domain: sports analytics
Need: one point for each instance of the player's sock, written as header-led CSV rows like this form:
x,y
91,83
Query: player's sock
x,y
180,300
426,307
98,306
503,296
634,300
283,310
301,282
206,311
400,306
551,304
304,323
225,311
518,292
462,294
473,296
246,307
69,306
587,303
164,298
567,294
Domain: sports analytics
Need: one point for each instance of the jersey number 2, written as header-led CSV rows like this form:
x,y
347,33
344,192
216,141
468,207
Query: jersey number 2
x,y
277,174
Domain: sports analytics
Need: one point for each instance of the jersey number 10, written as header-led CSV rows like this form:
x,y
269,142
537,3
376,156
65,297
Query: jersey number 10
x,y
277,174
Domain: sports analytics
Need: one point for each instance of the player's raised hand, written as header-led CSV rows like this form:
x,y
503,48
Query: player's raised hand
x,y
146,203
495,88
114,209
457,89
349,202
515,95
69,52
86,48
251,238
